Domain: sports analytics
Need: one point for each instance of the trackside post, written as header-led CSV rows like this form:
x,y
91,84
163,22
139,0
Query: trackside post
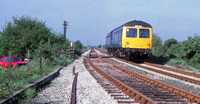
x,y
40,59
28,61
9,60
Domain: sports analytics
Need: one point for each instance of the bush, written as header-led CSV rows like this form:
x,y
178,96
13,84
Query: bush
x,y
177,62
29,93
157,46
60,61
78,48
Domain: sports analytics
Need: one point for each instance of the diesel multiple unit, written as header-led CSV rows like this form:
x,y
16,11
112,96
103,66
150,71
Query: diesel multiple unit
x,y
132,40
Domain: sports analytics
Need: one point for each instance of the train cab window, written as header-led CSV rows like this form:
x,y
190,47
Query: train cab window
x,y
132,33
144,33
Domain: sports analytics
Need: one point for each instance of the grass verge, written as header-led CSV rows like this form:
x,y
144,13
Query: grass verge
x,y
19,77
178,63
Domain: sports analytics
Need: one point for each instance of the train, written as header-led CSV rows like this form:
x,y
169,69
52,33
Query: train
x,y
132,40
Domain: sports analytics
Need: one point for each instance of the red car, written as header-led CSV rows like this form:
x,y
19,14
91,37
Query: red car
x,y
16,61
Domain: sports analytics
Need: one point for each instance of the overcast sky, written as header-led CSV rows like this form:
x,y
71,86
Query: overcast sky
x,y
90,20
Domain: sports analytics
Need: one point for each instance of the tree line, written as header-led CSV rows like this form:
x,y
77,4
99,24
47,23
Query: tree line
x,y
27,33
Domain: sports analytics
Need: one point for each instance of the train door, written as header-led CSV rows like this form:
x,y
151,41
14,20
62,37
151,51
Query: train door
x,y
111,38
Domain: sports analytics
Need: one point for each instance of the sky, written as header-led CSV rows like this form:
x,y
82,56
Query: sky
x,y
90,20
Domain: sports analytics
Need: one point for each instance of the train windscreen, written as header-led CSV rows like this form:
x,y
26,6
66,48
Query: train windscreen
x,y
131,33
144,33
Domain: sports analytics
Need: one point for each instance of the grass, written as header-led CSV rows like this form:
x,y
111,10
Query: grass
x,y
179,63
183,64
17,78
29,93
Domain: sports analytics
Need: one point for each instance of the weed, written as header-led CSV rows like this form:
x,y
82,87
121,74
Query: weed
x,y
29,93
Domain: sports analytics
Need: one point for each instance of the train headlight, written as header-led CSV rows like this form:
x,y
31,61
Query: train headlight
x,y
127,42
148,43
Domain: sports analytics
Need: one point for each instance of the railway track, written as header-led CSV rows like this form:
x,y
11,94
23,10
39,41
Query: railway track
x,y
178,74
143,90
111,89
181,79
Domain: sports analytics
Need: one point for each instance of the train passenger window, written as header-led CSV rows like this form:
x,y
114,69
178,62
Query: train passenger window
x,y
144,33
131,33
121,35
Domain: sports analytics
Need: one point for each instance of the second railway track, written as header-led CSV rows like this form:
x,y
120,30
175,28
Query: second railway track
x,y
179,74
156,91
187,80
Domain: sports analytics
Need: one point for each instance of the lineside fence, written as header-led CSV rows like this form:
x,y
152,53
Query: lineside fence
x,y
69,52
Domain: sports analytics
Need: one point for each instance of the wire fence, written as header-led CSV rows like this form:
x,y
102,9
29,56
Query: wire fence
x,y
26,57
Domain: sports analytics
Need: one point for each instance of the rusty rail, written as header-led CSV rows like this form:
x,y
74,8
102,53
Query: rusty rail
x,y
174,70
73,93
125,89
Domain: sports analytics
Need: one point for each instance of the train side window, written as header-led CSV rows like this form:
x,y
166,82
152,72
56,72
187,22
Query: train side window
x,y
132,33
144,33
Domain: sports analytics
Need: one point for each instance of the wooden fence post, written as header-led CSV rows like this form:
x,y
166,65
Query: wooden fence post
x,y
28,60
74,50
40,59
9,60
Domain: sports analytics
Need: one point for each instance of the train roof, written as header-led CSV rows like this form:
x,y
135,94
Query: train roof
x,y
133,23
136,22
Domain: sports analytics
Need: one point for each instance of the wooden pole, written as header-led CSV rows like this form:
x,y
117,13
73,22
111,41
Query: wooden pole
x,y
40,59
9,60
74,50
65,28
28,60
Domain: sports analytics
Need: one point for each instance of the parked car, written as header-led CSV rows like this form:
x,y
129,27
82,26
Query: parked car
x,y
16,61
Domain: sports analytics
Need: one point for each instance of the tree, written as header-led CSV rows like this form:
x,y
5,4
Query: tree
x,y
24,33
168,47
157,45
189,48
168,43
78,47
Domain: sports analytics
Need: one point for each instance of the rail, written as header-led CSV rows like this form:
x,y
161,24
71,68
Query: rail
x,y
174,70
73,93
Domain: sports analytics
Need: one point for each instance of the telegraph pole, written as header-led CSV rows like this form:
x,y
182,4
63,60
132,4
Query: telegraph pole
x,y
65,28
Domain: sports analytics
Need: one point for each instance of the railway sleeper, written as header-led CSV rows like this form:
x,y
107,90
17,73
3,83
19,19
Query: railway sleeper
x,y
121,97
163,97
111,91
109,87
124,101
117,94
156,93
171,100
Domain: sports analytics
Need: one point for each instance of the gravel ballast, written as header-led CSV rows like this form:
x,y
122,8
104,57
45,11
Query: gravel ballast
x,y
88,90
